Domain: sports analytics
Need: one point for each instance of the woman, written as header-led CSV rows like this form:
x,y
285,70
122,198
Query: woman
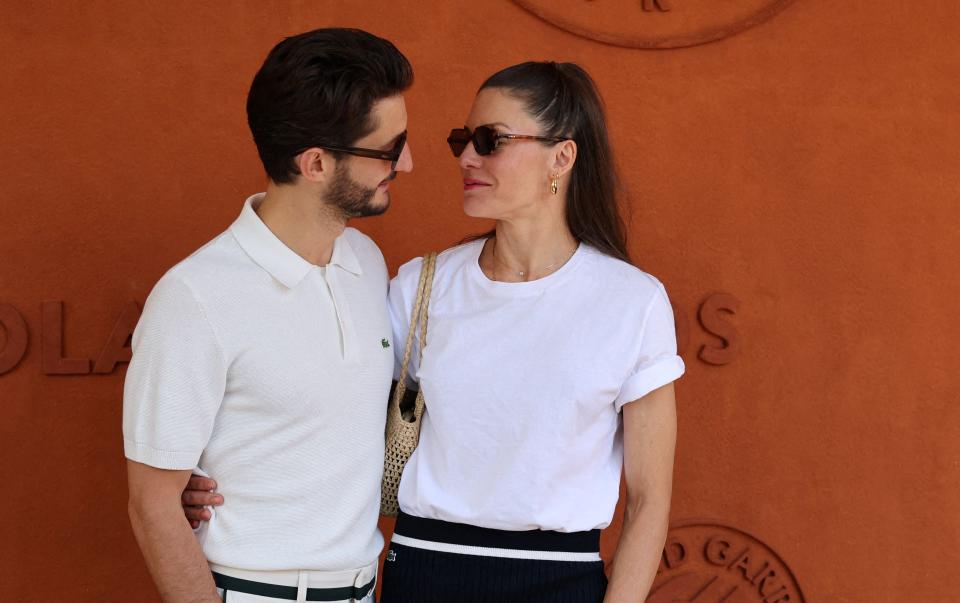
x,y
548,368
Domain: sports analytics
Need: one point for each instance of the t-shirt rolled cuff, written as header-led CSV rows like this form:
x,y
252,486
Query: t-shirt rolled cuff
x,y
664,371
161,459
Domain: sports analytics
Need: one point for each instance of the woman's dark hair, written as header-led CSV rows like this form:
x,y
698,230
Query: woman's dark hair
x,y
318,88
564,100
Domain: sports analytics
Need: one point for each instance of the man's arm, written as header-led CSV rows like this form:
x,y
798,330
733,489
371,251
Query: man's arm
x,y
169,547
649,438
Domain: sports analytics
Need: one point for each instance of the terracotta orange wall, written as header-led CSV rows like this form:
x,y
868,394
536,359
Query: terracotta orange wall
x,y
807,167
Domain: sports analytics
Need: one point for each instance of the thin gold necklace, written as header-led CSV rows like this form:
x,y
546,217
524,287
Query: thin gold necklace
x,y
521,273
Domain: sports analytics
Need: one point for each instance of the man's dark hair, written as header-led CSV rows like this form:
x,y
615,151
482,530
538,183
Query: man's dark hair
x,y
317,88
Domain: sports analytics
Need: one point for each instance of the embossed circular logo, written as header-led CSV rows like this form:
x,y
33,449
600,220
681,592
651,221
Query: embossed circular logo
x,y
713,563
654,23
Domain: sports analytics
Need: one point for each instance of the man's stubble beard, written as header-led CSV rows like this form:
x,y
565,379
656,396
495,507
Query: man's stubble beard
x,y
351,198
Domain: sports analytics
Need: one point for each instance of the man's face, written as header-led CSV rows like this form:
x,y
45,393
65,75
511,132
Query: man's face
x,y
361,185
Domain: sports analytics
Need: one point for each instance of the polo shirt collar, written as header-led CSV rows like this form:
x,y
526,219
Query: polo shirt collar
x,y
344,256
271,254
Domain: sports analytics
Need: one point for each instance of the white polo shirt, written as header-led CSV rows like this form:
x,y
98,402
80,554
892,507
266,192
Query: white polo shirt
x,y
524,383
272,375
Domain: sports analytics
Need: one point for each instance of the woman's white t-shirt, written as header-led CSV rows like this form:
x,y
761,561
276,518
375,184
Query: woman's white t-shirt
x,y
524,383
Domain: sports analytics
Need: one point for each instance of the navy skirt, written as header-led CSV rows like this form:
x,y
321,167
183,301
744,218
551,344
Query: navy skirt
x,y
438,561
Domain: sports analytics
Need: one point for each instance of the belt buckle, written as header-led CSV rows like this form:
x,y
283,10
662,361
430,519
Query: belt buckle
x,y
360,582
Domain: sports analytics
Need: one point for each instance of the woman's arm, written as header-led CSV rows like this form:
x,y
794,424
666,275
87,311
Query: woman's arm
x,y
649,439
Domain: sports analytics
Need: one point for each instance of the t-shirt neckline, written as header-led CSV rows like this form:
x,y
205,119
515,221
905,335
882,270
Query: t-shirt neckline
x,y
525,288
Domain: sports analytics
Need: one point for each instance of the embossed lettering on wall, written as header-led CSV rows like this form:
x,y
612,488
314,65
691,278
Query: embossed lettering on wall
x,y
714,316
654,24
660,5
710,562
717,339
53,361
15,338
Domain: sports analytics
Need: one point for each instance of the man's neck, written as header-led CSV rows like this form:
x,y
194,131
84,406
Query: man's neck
x,y
301,221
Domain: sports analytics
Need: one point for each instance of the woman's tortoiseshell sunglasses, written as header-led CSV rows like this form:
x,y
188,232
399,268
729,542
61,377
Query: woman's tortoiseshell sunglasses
x,y
485,139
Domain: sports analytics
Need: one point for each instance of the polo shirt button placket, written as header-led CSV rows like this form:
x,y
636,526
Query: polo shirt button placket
x,y
332,277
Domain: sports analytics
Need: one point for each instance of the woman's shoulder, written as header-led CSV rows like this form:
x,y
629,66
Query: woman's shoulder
x,y
623,277
449,260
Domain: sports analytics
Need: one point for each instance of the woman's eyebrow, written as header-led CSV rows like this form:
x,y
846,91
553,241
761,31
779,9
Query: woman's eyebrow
x,y
491,125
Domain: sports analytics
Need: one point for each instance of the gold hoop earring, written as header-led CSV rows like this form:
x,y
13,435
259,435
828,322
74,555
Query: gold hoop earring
x,y
555,184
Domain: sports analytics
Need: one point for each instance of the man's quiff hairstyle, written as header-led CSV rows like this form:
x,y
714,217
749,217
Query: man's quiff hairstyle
x,y
318,88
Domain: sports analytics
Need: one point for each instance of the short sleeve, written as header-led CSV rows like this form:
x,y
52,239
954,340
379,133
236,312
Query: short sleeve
x,y
657,363
403,290
175,382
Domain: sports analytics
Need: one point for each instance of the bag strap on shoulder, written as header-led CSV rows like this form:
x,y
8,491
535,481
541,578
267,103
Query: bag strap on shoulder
x,y
418,315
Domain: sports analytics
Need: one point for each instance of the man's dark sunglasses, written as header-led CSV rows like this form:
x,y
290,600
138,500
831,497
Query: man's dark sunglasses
x,y
485,139
393,155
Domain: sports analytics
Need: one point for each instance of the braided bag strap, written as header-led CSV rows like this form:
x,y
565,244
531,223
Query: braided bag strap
x,y
418,315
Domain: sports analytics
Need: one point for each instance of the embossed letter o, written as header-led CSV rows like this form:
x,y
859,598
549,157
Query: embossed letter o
x,y
17,338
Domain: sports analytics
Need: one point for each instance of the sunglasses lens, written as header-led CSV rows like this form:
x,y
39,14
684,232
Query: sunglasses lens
x,y
484,140
398,149
458,140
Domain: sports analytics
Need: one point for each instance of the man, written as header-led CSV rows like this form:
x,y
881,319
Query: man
x,y
264,358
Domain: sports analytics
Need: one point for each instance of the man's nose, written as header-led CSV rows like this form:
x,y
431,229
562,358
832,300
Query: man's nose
x,y
405,162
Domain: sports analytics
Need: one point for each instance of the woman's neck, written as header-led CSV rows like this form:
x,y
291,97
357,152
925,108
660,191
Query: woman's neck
x,y
526,251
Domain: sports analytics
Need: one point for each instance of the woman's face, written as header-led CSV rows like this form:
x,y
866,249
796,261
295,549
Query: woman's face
x,y
512,181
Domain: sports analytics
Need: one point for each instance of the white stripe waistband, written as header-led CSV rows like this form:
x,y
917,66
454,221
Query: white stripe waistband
x,y
314,578
482,551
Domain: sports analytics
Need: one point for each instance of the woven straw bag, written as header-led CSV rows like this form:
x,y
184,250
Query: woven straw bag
x,y
403,425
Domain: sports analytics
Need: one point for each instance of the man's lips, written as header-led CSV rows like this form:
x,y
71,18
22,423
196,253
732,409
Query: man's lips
x,y
470,184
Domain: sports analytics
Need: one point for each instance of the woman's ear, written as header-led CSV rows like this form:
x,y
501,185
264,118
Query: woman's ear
x,y
564,157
